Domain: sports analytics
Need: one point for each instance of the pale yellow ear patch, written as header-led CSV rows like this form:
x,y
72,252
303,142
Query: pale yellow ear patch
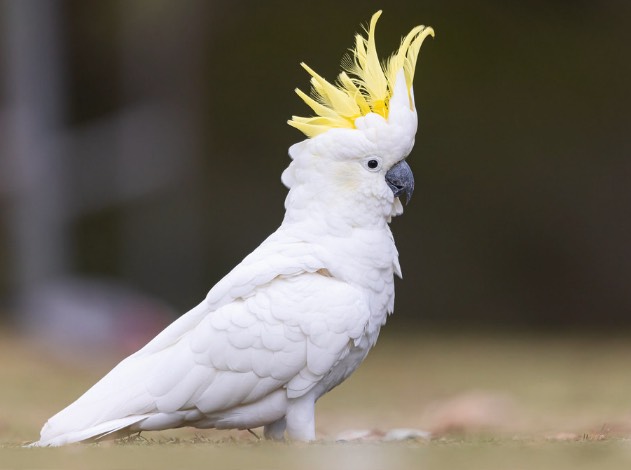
x,y
365,86
345,178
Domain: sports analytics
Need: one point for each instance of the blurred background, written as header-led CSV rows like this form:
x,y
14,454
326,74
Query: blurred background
x,y
142,142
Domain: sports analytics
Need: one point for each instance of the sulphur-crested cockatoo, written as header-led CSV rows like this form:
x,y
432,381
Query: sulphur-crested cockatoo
x,y
299,314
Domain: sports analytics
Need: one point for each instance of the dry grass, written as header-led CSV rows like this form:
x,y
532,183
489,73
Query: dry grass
x,y
491,402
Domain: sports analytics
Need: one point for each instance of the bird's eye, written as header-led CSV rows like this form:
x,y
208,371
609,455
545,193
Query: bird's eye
x,y
372,163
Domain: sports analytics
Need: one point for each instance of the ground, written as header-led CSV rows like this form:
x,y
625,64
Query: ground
x,y
515,401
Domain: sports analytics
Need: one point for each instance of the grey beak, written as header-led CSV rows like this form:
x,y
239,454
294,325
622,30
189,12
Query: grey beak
x,y
401,180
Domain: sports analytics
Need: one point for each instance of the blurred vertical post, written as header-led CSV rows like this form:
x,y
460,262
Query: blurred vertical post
x,y
162,73
35,89
142,160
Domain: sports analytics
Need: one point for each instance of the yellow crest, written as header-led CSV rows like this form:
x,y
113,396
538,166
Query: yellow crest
x,y
365,86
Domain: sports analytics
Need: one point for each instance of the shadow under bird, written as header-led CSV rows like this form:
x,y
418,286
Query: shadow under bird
x,y
299,314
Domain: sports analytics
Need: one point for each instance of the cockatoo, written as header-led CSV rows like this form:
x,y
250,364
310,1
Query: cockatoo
x,y
299,314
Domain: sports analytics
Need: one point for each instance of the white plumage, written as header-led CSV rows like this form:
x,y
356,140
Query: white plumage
x,y
294,319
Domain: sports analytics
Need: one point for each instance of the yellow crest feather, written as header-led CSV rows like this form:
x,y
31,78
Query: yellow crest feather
x,y
365,86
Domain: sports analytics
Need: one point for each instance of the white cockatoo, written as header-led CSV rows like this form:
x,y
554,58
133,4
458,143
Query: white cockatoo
x,y
299,314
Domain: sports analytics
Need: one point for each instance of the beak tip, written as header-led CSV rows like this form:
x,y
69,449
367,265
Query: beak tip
x,y
401,181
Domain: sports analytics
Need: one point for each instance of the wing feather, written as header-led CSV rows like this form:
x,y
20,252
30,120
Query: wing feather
x,y
272,322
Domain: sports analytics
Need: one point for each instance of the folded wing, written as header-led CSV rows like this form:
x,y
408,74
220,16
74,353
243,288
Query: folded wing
x,y
233,351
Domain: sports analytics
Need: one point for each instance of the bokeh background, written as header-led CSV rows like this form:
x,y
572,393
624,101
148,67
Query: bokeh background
x,y
141,146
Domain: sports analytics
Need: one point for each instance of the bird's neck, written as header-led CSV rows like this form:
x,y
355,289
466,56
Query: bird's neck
x,y
360,236
335,214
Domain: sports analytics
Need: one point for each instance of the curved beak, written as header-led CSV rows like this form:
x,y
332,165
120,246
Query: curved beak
x,y
401,180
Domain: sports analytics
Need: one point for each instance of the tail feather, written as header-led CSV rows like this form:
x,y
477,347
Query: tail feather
x,y
116,402
51,437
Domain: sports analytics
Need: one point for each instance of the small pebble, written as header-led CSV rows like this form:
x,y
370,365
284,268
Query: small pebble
x,y
404,434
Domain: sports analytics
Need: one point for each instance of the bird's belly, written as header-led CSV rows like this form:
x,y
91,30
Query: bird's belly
x,y
268,409
358,349
345,367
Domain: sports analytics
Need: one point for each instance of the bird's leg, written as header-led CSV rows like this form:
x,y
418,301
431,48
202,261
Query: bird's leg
x,y
301,418
276,430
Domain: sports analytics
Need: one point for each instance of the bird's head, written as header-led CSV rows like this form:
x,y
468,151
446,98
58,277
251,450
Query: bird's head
x,y
364,128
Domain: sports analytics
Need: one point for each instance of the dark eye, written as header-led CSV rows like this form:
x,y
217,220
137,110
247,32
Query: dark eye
x,y
372,163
